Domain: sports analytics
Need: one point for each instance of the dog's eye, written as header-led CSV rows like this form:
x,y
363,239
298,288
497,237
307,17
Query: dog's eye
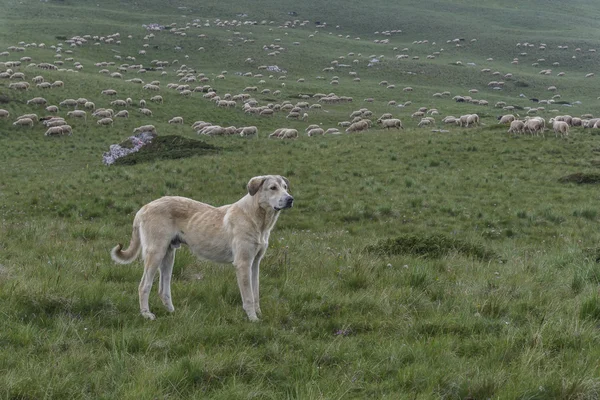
x,y
273,188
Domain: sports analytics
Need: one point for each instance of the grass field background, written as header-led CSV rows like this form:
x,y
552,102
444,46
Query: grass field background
x,y
485,279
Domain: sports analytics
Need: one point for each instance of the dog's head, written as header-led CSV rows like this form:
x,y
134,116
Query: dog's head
x,y
271,191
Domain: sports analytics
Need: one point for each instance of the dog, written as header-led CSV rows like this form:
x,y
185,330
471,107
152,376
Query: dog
x,y
235,233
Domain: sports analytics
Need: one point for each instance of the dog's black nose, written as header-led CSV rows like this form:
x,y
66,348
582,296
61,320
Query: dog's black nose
x,y
290,201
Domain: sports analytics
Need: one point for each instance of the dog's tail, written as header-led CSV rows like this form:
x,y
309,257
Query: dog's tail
x,y
127,256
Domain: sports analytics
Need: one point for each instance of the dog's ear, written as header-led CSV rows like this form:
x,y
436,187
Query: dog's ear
x,y
286,182
255,183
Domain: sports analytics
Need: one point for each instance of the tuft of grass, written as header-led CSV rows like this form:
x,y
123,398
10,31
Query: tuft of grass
x,y
168,147
581,178
430,246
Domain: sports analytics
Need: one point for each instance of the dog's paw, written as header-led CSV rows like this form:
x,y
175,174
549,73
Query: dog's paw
x,y
148,315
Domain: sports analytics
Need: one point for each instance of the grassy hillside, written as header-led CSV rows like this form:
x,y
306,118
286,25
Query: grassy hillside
x,y
414,264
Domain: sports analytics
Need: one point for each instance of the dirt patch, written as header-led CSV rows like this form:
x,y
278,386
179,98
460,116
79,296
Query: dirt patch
x,y
581,178
430,246
166,148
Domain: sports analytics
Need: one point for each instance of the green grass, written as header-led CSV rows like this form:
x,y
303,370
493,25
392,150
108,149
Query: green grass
x,y
484,282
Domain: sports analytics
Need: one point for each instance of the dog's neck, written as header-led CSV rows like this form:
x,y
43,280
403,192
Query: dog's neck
x,y
267,217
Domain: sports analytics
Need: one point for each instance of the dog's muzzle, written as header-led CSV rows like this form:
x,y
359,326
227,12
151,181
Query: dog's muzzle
x,y
289,202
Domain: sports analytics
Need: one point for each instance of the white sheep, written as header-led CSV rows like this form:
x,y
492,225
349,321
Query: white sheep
x,y
109,92
122,114
55,130
147,112
315,132
176,120
391,123
560,127
105,121
144,128
506,119
23,122
77,114
516,126
248,131
40,101
4,113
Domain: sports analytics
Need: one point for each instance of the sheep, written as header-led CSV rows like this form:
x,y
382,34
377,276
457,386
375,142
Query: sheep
x,y
105,121
534,126
332,131
361,125
516,126
391,123
473,119
77,114
33,117
315,131
313,126
293,115
560,127
103,114
66,129
147,112
23,122
118,103
384,116
506,119
55,130
68,103
248,131
44,85
289,134
89,105
157,99
424,122
4,113
142,103
40,101
54,122
56,84
266,112
122,114
19,86
176,120
144,128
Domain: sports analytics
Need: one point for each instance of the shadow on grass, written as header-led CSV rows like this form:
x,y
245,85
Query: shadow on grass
x,y
430,246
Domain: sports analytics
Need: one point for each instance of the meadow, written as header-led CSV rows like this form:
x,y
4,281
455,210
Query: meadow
x,y
414,264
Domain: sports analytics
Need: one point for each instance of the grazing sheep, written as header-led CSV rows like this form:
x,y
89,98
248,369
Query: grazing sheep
x,y
506,119
66,129
289,134
266,112
293,115
144,128
248,131
424,122
473,119
30,116
122,114
105,121
534,126
391,123
4,114
118,103
147,112
40,101
77,114
358,126
89,105
315,132
23,122
109,92
176,120
516,126
53,131
157,99
332,131
56,84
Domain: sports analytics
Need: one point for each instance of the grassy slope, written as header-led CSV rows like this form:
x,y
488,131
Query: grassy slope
x,y
338,323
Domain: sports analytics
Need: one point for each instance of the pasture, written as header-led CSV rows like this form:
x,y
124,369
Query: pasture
x,y
438,262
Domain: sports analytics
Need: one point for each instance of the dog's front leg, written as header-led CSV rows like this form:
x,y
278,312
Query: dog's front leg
x,y
256,283
244,279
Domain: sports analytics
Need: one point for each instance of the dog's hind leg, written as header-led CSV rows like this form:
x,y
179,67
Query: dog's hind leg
x,y
152,262
164,284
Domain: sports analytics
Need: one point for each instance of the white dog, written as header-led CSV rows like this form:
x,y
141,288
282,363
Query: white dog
x,y
237,233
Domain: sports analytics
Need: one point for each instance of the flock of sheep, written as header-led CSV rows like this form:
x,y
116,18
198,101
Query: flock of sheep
x,y
308,107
